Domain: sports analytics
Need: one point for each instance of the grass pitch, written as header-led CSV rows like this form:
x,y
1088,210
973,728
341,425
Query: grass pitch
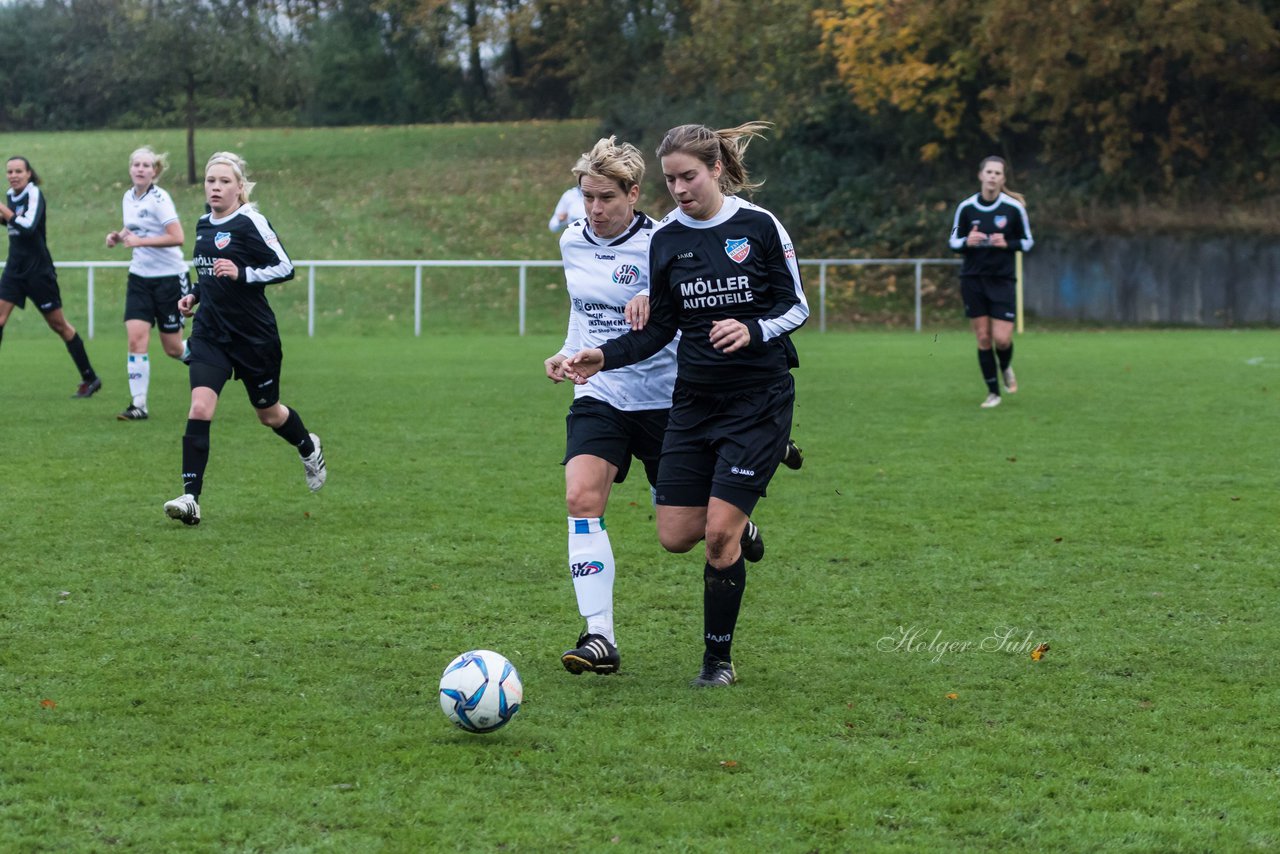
x,y
266,681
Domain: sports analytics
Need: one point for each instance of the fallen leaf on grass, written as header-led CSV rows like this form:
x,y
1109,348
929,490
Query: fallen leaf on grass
x,y
953,696
728,763
1038,652
48,704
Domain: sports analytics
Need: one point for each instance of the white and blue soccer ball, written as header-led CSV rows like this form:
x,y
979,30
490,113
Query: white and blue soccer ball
x,y
480,691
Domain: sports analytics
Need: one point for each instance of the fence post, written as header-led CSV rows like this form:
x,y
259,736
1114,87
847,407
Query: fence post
x,y
90,300
822,296
417,301
311,301
523,288
919,268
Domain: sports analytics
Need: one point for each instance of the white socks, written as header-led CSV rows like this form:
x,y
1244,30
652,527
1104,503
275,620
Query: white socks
x,y
591,567
139,378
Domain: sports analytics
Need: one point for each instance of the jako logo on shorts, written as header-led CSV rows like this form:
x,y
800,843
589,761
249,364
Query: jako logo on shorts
x,y
626,274
591,567
737,248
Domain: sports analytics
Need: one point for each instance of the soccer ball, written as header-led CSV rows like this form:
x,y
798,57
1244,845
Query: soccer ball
x,y
480,691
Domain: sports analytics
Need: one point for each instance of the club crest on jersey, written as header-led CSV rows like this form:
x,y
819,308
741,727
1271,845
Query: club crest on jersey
x,y
222,239
1002,221
577,304
737,248
627,274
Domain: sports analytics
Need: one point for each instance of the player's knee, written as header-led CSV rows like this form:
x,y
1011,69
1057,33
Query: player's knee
x,y
676,542
172,349
719,545
583,501
272,416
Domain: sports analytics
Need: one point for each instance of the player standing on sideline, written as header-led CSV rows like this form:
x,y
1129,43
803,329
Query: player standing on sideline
x,y
569,209
237,254
724,275
157,273
29,271
989,227
614,416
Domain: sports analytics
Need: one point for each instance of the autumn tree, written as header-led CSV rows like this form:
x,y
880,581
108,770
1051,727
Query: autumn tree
x,y
1156,88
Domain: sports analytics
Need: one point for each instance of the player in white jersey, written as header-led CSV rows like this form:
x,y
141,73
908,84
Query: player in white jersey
x,y
157,273
569,209
615,416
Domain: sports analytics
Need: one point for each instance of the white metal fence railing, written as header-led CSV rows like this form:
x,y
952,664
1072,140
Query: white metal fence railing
x,y
522,268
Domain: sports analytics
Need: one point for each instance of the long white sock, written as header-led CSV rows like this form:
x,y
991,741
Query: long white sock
x,y
139,378
591,567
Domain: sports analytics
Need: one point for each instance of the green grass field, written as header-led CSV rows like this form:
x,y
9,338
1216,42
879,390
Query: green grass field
x,y
266,681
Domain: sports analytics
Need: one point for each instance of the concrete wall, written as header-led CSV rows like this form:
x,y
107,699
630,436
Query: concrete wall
x,y
1207,282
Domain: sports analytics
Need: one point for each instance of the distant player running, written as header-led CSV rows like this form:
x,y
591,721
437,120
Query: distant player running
x,y
157,273
237,254
29,271
989,227
724,276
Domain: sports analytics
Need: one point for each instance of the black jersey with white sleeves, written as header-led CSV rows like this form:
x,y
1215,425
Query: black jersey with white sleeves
x,y
1007,216
237,309
739,264
28,250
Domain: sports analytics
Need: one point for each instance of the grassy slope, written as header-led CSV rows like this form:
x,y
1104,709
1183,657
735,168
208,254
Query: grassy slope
x,y
266,681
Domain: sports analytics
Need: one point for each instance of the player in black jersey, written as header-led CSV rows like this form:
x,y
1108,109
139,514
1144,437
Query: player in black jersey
x,y
29,271
989,227
723,273
237,254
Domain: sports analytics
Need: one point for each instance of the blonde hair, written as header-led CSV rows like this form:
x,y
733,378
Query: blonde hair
x,y
1018,197
238,166
159,161
727,146
607,159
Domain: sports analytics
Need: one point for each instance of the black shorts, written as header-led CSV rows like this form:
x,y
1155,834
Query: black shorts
x,y
212,364
615,435
724,446
155,300
41,288
989,296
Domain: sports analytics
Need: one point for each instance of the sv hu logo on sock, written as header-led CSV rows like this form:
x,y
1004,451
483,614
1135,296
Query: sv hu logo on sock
x,y
591,567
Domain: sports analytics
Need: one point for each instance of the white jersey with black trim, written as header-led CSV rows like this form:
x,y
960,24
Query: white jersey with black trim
x,y
602,277
149,216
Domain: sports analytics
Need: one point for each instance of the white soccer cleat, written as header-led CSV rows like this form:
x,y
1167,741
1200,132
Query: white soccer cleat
x,y
183,508
315,467
1010,381
992,401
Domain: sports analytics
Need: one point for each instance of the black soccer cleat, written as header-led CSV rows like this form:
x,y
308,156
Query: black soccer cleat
x,y
133,413
715,674
593,654
792,457
752,542
88,388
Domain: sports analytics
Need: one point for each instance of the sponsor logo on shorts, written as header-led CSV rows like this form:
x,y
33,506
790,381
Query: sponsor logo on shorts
x,y
590,567
737,248
222,239
743,472
685,256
